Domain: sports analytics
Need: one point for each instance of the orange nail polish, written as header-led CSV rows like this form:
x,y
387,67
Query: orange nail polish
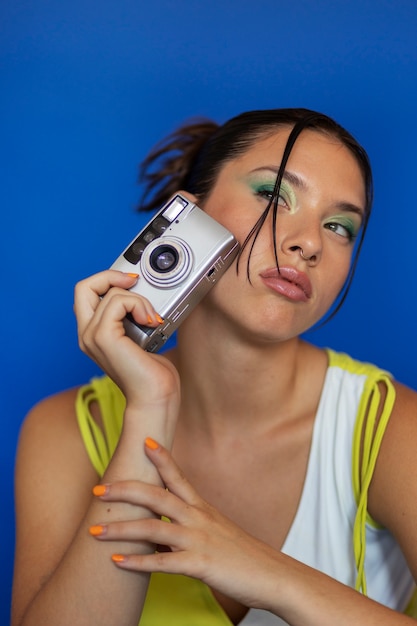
x,y
151,443
96,530
159,318
150,320
100,490
132,275
118,558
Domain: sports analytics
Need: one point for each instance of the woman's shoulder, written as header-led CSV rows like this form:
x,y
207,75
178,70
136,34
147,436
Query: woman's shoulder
x,y
50,447
60,410
56,412
87,417
395,470
403,422
406,398
50,427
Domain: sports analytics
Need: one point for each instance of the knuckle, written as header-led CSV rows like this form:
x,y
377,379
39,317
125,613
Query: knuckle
x,y
160,558
153,524
206,513
160,495
124,488
99,335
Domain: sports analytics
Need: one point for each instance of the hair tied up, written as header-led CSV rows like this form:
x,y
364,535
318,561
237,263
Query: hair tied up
x,y
168,166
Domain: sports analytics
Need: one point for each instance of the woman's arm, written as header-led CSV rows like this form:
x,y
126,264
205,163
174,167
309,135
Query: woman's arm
x,y
206,545
62,576
392,500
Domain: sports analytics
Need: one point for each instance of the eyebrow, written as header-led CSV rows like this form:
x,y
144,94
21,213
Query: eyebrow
x,y
299,183
290,177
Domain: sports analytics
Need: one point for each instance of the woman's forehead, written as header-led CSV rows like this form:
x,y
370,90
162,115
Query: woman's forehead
x,y
315,154
310,146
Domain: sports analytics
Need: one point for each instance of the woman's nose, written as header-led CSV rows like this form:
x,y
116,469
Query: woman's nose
x,y
311,259
303,239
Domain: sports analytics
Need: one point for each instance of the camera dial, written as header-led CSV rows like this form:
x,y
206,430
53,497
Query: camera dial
x,y
166,262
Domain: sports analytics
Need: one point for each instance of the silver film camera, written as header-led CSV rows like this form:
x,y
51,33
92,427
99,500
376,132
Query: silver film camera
x,y
179,256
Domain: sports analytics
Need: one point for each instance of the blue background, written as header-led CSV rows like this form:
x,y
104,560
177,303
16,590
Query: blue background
x,y
88,87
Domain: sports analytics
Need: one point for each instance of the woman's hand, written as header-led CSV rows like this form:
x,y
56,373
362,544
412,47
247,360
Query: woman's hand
x,y
101,304
199,542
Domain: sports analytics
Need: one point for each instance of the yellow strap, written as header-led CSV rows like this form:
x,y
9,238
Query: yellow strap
x,y
100,440
370,442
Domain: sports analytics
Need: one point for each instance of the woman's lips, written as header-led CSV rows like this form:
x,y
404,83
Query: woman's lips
x,y
289,282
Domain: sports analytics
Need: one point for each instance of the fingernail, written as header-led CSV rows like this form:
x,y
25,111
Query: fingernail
x,y
151,443
132,275
100,490
97,530
150,320
159,318
118,558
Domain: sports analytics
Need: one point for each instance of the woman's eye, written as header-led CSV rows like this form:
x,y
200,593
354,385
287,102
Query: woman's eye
x,y
343,230
269,194
266,193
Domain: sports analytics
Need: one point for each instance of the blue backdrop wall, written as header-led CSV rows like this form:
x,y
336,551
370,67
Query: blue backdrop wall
x,y
87,87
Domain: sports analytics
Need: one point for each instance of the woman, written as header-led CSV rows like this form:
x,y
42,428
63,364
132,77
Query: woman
x,y
297,500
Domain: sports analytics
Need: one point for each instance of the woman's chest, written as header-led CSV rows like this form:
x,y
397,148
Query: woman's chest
x,y
257,486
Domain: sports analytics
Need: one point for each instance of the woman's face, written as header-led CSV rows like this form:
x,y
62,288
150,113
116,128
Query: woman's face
x,y
320,211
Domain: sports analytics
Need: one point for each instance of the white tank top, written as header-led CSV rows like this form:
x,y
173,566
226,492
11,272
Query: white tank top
x,y
322,531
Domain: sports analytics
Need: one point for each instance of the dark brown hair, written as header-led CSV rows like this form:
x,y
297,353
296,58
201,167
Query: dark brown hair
x,y
192,156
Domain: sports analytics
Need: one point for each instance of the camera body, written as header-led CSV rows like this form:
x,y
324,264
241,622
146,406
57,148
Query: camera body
x,y
179,256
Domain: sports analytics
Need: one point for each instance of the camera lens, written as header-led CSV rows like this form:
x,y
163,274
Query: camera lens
x,y
166,262
164,258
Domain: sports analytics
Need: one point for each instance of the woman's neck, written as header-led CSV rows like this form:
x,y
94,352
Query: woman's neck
x,y
229,383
